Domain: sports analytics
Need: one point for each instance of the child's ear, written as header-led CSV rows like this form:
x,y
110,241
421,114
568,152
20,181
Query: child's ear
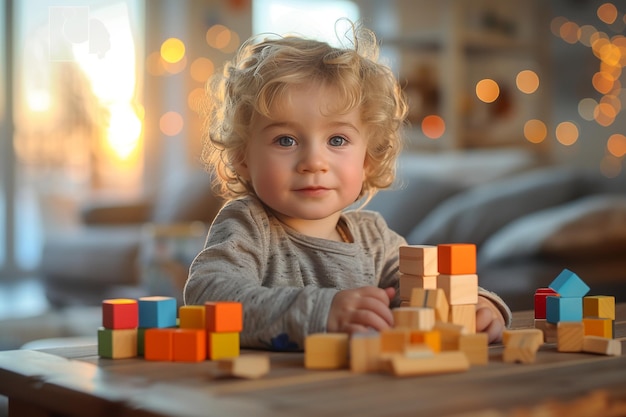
x,y
241,167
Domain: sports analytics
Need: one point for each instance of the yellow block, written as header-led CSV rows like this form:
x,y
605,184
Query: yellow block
x,y
192,317
222,345
602,306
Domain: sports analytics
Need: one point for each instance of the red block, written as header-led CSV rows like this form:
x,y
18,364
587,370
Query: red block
x,y
120,313
540,301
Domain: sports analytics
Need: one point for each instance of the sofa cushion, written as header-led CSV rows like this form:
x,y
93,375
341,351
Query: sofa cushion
x,y
590,227
474,215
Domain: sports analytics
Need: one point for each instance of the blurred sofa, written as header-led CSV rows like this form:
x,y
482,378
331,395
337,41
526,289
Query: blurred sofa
x,y
528,219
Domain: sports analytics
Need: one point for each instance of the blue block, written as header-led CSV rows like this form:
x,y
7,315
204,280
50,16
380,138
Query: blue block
x,y
568,284
157,312
563,309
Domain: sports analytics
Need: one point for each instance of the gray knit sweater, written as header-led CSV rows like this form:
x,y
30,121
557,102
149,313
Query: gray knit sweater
x,y
285,280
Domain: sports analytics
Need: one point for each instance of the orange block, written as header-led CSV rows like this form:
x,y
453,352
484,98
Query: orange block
x,y
120,313
596,326
159,344
189,345
431,338
192,317
224,316
456,258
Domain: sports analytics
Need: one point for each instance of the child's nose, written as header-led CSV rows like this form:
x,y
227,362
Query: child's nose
x,y
312,160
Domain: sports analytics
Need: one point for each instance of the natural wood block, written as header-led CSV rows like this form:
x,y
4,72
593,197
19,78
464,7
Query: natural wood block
x,y
602,345
564,309
459,289
120,313
224,316
444,362
533,336
450,334
365,352
433,298
476,347
569,285
418,260
570,336
548,330
159,344
157,312
222,345
540,301
456,258
521,345
420,318
431,338
326,351
602,306
465,315
596,326
190,345
409,282
117,343
192,317
519,354
394,340
250,366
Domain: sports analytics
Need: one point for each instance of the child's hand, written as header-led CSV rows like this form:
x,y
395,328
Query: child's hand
x,y
361,309
489,319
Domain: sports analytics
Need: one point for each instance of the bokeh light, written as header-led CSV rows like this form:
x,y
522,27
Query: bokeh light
x,y
201,69
433,126
586,108
487,90
567,133
171,123
195,99
616,145
607,13
535,131
527,81
172,50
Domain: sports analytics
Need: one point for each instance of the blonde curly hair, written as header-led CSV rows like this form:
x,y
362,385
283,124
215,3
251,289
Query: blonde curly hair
x,y
262,72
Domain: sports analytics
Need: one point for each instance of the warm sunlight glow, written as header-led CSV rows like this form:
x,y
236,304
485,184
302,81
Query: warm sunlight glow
x,y
38,100
171,123
175,67
607,13
487,90
172,50
527,81
616,145
567,133
124,130
535,131
155,64
195,97
433,126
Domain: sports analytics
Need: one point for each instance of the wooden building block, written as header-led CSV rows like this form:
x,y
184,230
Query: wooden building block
x,y
120,313
222,345
433,298
249,366
476,347
444,362
189,345
532,336
157,312
409,282
450,334
365,352
564,309
430,338
326,351
596,326
602,306
456,258
465,315
459,289
548,330
540,301
224,316
521,345
117,343
159,344
519,354
394,340
418,260
420,318
567,284
602,345
569,336
192,317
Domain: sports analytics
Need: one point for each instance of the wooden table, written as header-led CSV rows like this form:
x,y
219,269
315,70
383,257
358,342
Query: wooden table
x,y
76,382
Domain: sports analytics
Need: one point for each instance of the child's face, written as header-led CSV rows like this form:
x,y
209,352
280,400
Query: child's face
x,y
306,162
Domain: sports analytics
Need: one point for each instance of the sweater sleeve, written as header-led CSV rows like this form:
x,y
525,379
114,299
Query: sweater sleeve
x,y
233,265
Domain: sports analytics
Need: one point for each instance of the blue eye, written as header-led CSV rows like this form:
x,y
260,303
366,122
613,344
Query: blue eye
x,y
286,141
337,141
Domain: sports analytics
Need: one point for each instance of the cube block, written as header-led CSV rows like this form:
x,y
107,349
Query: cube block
x,y
117,343
192,317
459,288
568,284
222,345
431,338
418,260
456,258
563,309
189,345
602,306
476,347
597,326
224,316
326,351
540,301
464,315
365,352
569,336
394,340
433,298
409,282
120,313
159,344
157,312
420,318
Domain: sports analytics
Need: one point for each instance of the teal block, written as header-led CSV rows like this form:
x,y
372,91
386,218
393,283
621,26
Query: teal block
x,y
563,309
159,312
569,285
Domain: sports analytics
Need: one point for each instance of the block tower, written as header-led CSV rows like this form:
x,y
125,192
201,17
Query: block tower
x,y
117,338
224,323
418,269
